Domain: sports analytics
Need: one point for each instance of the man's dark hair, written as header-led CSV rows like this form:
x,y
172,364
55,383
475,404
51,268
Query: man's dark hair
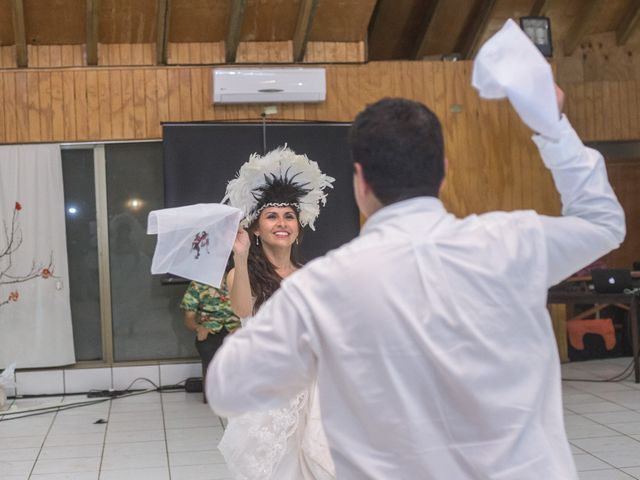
x,y
399,144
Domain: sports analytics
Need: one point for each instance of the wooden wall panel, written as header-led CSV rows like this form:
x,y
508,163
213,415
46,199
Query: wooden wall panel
x,y
606,110
195,53
492,161
117,54
51,56
265,52
335,52
624,176
8,56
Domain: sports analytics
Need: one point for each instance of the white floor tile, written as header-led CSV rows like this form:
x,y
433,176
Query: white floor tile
x,y
67,465
71,439
18,467
585,461
631,428
21,441
18,454
614,417
134,449
204,457
604,475
146,435
161,473
130,462
628,457
200,472
70,451
134,436
66,476
599,407
134,426
606,444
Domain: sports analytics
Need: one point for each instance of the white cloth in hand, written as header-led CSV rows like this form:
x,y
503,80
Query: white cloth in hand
x,y
510,65
194,242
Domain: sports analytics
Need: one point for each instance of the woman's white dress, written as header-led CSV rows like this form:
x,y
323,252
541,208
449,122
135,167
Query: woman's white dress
x,y
283,444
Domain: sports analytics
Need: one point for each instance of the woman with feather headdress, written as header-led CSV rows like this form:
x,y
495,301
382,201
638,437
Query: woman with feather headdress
x,y
280,194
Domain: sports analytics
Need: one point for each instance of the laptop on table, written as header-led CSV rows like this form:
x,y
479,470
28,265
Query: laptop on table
x,y
611,280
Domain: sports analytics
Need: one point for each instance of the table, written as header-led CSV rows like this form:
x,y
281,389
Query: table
x,y
569,297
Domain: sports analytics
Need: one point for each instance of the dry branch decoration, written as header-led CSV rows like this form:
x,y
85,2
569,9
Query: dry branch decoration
x,y
12,243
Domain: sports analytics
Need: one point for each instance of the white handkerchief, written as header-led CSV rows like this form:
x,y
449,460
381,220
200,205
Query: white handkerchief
x,y
509,65
194,242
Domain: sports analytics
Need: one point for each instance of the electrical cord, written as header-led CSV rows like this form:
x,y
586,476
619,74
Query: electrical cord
x,y
108,395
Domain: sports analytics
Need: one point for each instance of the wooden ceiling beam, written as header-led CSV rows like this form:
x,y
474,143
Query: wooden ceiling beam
x,y
628,23
469,40
421,45
19,34
303,27
162,31
92,32
235,25
581,25
540,8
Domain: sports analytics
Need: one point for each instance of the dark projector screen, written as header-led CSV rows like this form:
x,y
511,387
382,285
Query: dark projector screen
x,y
199,160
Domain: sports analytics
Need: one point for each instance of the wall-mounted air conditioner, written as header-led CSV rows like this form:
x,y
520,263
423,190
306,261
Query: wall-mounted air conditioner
x,y
268,85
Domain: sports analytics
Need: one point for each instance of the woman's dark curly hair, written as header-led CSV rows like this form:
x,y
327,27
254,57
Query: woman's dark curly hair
x,y
263,278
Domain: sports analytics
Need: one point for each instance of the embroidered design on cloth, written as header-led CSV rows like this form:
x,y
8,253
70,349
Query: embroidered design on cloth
x,y
200,241
279,178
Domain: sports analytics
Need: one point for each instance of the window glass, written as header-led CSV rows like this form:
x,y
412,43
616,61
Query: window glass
x,y
82,251
147,320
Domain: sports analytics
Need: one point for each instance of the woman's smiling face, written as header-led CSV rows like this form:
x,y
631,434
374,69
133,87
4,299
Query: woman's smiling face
x,y
278,226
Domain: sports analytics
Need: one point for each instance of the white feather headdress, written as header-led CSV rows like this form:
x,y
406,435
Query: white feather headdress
x,y
279,177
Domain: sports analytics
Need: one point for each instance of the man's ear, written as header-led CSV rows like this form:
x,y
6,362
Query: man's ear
x,y
359,181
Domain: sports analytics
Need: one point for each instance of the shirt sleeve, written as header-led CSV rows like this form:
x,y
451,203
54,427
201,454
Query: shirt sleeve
x,y
191,298
592,222
265,364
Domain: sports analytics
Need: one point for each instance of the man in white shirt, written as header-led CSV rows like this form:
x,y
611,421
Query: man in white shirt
x,y
428,334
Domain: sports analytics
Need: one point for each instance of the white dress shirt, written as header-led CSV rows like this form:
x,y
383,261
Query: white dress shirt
x,y
429,335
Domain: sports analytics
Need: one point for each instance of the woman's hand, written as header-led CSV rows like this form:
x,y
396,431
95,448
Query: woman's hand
x,y
202,333
242,243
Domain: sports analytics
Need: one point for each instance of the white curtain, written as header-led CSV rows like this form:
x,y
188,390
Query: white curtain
x,y
35,314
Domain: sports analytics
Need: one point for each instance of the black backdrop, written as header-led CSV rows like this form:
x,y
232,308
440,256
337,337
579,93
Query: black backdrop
x,y
199,160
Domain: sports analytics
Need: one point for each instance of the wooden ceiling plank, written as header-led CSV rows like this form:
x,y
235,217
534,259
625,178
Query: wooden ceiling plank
x,y
20,35
235,25
162,31
92,32
303,27
581,25
540,8
468,43
422,42
628,23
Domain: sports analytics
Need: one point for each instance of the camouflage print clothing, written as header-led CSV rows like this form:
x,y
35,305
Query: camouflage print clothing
x,y
212,305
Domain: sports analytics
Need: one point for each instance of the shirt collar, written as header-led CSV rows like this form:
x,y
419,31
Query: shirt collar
x,y
403,208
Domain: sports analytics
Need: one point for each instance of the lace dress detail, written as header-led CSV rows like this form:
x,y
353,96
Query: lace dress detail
x,y
256,444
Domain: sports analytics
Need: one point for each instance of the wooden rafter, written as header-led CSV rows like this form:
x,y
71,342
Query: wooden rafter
x,y
475,25
303,27
540,8
421,45
162,31
92,32
629,22
581,25
235,25
20,35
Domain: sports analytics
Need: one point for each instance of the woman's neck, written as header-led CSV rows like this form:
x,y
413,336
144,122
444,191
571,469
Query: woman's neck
x,y
281,259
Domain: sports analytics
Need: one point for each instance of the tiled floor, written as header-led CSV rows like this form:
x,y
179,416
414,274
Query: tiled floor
x,y
173,435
